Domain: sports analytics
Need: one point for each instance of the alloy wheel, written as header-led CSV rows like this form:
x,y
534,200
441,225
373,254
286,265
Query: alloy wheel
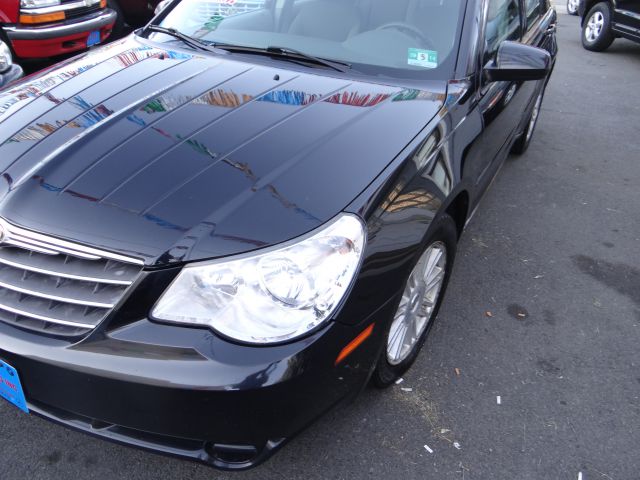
x,y
594,27
534,118
418,303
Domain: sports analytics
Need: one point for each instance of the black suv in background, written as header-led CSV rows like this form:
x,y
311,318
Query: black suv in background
x,y
604,21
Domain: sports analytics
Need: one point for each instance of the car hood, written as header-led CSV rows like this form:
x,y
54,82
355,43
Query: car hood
x,y
171,156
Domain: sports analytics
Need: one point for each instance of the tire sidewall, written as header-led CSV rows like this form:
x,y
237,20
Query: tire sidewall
x,y
522,144
5,39
606,37
443,230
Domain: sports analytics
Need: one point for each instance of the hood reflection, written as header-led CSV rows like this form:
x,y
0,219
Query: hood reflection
x,y
40,85
413,94
90,117
356,99
289,97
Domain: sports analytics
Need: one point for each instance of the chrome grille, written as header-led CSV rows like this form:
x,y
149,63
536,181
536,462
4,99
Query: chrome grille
x,y
71,8
81,12
59,287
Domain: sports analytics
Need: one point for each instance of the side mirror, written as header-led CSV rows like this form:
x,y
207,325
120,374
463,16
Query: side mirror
x,y
516,62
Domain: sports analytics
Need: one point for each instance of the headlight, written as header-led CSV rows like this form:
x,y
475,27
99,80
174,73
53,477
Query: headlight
x,y
269,296
38,3
5,57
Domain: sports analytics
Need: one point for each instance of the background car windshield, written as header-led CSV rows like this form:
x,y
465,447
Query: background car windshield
x,y
408,36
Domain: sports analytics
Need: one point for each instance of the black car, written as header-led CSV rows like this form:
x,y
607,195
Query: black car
x,y
218,228
604,21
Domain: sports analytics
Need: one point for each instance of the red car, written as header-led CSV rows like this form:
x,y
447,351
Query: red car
x,y
47,28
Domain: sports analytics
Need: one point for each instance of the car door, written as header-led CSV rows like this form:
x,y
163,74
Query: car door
x,y
540,31
501,103
540,25
627,17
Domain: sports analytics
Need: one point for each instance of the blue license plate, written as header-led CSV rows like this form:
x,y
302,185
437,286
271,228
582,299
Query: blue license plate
x,y
11,388
94,38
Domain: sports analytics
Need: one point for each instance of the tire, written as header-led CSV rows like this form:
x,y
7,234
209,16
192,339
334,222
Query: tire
x,y
119,27
597,34
5,39
521,145
572,7
390,366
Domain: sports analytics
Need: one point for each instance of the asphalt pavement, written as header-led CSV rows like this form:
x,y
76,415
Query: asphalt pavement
x,y
543,312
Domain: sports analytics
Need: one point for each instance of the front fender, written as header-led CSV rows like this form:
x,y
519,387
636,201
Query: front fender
x,y
399,210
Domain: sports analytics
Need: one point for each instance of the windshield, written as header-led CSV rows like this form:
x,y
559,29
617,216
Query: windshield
x,y
411,38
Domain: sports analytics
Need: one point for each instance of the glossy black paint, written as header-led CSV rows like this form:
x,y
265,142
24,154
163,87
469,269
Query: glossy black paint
x,y
518,63
174,156
183,391
221,159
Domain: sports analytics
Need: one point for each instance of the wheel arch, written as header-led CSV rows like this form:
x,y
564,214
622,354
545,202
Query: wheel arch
x,y
589,4
458,209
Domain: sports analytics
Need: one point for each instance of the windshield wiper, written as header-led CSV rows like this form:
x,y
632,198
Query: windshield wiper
x,y
286,53
281,52
172,32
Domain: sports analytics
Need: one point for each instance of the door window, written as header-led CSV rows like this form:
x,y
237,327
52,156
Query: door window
x,y
503,23
533,10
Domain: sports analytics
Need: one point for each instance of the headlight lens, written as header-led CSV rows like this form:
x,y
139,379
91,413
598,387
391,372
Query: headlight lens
x,y
5,57
272,296
38,3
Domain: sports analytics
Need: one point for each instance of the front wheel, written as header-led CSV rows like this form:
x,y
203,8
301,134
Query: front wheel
x,y
572,7
419,304
522,144
597,34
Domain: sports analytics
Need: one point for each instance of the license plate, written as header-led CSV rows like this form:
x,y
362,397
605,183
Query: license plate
x,y
94,38
11,388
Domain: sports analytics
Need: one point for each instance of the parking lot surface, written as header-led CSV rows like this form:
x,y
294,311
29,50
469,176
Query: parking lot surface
x,y
543,312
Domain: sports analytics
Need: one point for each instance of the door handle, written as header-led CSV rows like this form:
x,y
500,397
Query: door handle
x,y
551,30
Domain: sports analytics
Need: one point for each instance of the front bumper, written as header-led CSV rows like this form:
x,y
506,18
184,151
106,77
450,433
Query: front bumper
x,y
187,392
14,73
59,38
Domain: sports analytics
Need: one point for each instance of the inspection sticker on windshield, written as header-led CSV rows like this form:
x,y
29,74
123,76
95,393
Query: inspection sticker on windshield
x,y
10,387
423,58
